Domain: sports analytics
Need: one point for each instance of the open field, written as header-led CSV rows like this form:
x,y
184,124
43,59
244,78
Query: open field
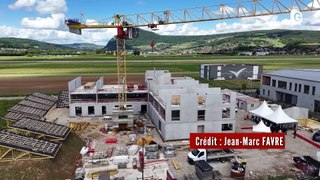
x,y
147,57
51,74
19,69
50,85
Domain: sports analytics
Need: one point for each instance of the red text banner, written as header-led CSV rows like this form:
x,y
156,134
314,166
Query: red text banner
x,y
237,141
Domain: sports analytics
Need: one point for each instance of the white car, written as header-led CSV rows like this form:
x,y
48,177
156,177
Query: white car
x,y
107,118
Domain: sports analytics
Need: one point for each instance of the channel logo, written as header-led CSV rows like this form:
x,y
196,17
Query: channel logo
x,y
296,16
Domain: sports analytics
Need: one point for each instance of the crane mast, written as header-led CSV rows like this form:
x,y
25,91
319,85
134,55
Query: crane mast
x,y
126,24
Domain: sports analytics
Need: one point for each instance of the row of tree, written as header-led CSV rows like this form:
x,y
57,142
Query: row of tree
x,y
32,52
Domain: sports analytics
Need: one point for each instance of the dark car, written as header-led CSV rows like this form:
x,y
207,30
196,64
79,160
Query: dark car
x,y
316,136
307,164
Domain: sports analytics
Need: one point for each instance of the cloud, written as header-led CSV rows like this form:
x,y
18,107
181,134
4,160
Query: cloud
x,y
55,21
140,3
41,6
28,4
97,36
51,6
185,29
311,21
56,9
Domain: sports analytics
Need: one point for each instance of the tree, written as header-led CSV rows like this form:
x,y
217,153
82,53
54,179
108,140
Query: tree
x,y
136,53
99,51
244,86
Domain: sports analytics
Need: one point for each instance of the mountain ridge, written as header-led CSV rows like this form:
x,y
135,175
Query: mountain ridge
x,y
277,39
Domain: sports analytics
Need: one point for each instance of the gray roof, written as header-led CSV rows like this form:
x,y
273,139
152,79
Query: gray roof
x,y
303,74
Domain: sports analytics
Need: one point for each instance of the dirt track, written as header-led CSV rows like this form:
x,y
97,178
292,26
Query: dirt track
x,y
27,85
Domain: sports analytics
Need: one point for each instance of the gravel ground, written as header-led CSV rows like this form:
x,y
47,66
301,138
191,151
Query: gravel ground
x,y
261,163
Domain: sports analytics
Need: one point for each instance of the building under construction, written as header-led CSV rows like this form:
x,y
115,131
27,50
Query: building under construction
x,y
171,102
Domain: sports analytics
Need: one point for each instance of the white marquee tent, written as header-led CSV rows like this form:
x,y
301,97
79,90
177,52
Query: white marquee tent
x,y
261,127
263,110
279,117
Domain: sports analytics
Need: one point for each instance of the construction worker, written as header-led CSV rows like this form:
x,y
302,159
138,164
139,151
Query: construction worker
x,y
294,130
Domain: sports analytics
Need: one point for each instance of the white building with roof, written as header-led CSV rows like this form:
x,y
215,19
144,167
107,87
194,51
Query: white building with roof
x,y
298,87
176,105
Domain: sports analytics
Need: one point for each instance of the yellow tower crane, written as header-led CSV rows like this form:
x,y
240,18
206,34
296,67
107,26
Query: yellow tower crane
x,y
126,24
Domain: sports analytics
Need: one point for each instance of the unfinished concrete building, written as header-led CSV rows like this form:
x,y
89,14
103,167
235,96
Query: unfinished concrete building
x,y
96,99
171,102
181,105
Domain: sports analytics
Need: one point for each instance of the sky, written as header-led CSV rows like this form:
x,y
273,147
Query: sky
x,y
43,20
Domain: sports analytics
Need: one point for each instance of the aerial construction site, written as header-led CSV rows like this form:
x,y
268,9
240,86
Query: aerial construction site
x,y
243,105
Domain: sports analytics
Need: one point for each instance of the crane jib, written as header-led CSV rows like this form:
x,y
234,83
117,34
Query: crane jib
x,y
127,25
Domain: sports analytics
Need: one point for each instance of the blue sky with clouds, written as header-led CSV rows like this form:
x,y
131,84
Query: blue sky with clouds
x,y
43,19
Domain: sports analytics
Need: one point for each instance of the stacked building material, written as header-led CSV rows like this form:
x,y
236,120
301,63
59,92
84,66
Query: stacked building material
x,y
152,151
133,150
63,99
169,151
203,170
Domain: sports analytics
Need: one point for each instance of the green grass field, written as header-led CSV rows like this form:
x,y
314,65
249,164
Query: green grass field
x,y
146,57
187,65
21,69
4,106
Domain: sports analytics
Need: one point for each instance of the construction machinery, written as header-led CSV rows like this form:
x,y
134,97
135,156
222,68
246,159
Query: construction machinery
x,y
127,25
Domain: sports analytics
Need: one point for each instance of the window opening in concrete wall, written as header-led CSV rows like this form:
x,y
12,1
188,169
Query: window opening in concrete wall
x,y
226,113
200,128
201,115
290,86
90,110
104,110
175,100
266,80
175,115
78,111
227,127
299,87
313,90
282,84
306,89
201,100
123,116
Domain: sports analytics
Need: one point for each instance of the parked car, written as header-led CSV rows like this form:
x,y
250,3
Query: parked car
x,y
307,164
316,136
